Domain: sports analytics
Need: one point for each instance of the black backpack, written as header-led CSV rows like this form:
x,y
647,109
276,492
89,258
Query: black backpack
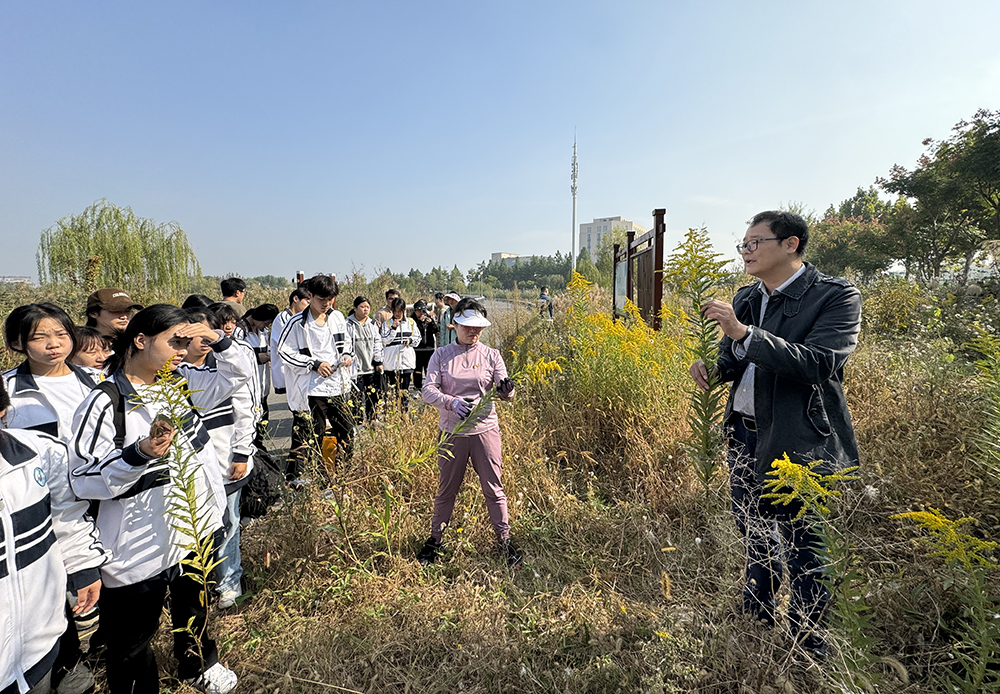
x,y
264,488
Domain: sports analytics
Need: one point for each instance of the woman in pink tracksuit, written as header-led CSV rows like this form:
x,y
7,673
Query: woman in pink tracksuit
x,y
458,377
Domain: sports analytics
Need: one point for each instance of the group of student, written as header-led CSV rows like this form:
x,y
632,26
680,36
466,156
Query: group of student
x,y
380,353
88,458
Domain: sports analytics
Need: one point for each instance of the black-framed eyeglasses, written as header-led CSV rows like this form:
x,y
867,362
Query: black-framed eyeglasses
x,y
751,245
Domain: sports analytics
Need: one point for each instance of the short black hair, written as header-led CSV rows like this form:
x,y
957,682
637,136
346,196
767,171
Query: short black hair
x,y
299,294
231,286
23,321
323,286
468,304
784,225
197,301
390,292
224,312
150,321
438,295
88,336
197,314
358,300
398,304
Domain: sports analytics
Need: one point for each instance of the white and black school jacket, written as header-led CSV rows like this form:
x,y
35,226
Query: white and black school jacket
x,y
232,423
44,537
133,490
300,365
30,408
398,343
260,344
277,327
367,339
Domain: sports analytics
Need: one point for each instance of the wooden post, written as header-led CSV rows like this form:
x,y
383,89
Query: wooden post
x,y
629,238
614,275
660,227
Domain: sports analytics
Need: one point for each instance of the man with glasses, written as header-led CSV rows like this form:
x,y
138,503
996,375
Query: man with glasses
x,y
786,340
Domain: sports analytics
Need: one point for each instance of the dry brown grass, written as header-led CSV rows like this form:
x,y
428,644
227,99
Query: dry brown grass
x,y
632,572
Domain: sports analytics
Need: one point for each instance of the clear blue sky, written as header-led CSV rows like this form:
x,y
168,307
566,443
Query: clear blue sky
x,y
316,135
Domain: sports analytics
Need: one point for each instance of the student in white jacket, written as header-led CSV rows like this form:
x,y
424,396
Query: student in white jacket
x,y
122,457
367,367
45,390
399,336
317,351
256,325
232,424
297,303
45,541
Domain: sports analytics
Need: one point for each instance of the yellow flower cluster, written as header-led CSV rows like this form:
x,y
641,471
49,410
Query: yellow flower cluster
x,y
540,370
793,481
949,542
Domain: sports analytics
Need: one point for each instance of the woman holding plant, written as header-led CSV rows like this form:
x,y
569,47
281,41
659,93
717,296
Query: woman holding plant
x,y
143,453
461,380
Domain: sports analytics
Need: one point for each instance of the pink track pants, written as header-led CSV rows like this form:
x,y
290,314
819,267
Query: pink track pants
x,y
484,450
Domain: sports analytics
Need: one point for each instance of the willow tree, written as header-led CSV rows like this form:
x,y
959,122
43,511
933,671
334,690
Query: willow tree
x,y
109,246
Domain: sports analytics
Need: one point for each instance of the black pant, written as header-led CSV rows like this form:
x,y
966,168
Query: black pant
x,y
335,409
423,359
130,617
302,438
399,382
258,440
370,387
770,534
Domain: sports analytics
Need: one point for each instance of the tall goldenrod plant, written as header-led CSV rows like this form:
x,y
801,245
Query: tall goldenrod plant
x,y
976,640
849,614
188,514
694,272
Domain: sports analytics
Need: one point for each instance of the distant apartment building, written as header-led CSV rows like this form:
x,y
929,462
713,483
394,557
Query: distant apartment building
x,y
511,259
15,279
591,233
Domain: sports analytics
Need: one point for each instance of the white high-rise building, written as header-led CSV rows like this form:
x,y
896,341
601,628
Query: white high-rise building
x,y
591,233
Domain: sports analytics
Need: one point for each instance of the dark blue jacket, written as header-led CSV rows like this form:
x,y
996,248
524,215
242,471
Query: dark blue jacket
x,y
799,348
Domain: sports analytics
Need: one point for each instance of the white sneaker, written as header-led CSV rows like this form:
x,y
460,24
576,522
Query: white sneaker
x,y
217,679
76,681
227,598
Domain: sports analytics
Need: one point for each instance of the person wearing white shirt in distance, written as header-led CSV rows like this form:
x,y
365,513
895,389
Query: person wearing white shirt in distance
x,y
318,352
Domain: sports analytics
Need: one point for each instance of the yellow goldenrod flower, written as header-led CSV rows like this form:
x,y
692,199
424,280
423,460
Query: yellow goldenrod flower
x,y
949,542
793,481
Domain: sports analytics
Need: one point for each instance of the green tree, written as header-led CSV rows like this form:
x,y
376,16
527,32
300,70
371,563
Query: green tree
x,y
605,261
585,266
973,153
864,205
838,243
455,280
931,223
271,282
950,200
800,209
109,246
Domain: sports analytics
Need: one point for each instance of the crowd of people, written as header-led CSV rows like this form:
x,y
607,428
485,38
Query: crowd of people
x,y
92,439
96,438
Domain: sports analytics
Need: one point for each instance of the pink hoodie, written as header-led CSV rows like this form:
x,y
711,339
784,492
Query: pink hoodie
x,y
464,371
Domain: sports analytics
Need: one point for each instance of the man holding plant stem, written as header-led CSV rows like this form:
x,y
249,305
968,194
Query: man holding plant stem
x,y
786,340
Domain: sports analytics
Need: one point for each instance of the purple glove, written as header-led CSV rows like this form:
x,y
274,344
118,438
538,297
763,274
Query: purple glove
x,y
461,408
505,387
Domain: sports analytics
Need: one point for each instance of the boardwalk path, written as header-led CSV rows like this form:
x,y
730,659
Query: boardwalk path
x,y
279,425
